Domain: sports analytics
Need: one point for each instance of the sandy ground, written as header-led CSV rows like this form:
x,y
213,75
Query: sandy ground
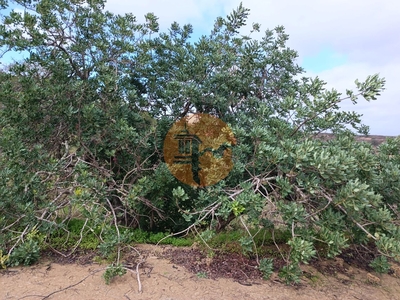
x,y
163,280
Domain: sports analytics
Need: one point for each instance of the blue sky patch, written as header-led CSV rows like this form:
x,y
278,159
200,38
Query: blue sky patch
x,y
325,59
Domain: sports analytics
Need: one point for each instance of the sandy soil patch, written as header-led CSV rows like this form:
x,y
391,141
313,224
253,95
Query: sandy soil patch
x,y
164,280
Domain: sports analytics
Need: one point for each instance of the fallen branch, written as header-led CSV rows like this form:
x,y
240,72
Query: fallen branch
x,y
193,225
137,274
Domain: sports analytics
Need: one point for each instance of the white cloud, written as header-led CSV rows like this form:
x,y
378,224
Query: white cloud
x,y
382,115
348,26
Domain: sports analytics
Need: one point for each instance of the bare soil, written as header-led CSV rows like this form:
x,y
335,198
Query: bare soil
x,y
187,273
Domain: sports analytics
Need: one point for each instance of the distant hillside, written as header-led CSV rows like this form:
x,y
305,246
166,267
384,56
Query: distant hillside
x,y
375,140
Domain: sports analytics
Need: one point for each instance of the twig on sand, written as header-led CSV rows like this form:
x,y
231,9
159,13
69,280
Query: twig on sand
x,y
91,274
137,275
66,288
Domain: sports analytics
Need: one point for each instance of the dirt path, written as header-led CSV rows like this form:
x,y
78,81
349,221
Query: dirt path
x,y
164,280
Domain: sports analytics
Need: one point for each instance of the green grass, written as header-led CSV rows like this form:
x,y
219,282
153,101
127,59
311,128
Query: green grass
x,y
67,239
143,237
226,241
229,241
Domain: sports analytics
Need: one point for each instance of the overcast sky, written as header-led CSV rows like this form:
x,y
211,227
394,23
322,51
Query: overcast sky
x,y
337,40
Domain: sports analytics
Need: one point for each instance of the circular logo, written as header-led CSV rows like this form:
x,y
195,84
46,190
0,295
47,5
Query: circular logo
x,y
198,150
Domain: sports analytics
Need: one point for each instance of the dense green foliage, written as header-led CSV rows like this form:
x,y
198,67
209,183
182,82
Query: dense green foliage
x,y
83,118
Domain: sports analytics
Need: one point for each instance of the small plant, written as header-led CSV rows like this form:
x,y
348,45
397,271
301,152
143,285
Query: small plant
x,y
113,271
89,242
247,244
181,242
290,273
221,239
108,247
211,253
3,260
202,274
266,267
314,279
27,254
302,251
207,235
380,265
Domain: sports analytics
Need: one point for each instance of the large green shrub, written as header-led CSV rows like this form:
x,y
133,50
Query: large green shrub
x,y
83,119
